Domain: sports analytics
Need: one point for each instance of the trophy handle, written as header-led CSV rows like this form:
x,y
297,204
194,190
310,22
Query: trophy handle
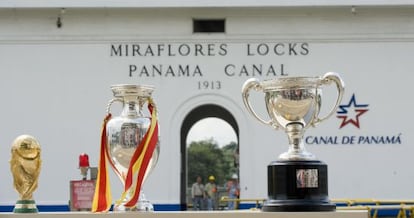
x,y
340,85
253,83
108,107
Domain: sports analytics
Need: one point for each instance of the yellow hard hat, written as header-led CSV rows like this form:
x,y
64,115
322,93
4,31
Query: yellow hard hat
x,y
211,178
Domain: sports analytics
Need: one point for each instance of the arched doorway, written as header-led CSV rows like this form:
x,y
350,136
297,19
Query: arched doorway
x,y
199,113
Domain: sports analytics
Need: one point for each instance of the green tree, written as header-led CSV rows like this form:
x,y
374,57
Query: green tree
x,y
205,158
229,151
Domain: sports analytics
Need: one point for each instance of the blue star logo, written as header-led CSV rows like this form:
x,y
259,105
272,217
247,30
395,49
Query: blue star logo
x,y
351,112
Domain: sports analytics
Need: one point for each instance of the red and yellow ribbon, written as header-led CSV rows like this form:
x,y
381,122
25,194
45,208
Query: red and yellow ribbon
x,y
102,198
137,168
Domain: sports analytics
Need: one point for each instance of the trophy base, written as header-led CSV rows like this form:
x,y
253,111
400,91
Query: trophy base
x,y
298,186
292,206
25,206
143,205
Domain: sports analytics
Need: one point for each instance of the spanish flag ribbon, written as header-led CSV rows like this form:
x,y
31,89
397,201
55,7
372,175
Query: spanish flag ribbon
x,y
140,160
137,168
102,198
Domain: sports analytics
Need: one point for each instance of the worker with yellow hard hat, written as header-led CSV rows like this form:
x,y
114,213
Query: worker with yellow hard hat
x,y
211,193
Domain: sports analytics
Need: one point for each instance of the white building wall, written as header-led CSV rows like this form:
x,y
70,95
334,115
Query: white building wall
x,y
55,86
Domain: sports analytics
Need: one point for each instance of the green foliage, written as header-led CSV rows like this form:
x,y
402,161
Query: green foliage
x,y
228,152
205,158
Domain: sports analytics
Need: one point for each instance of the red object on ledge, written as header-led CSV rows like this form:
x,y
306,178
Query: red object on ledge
x,y
83,160
81,195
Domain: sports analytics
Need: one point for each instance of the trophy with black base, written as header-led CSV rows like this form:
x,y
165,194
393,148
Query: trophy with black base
x,y
297,181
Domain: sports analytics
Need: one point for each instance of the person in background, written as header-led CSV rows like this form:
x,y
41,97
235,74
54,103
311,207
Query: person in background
x,y
197,194
211,193
233,190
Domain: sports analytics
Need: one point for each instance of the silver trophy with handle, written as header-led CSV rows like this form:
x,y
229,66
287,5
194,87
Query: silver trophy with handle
x,y
297,181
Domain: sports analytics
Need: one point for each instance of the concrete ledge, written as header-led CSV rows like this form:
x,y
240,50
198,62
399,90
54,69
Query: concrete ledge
x,y
203,214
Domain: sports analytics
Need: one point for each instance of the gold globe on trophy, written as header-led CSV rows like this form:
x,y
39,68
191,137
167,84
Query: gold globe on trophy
x,y
25,166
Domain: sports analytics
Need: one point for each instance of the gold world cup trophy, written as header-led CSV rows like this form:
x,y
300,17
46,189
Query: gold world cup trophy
x,y
25,166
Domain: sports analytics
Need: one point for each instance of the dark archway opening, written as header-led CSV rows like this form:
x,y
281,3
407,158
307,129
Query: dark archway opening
x,y
198,113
